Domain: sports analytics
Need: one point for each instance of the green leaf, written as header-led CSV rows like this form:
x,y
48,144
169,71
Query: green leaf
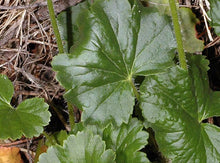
x,y
126,141
174,104
188,22
214,14
118,42
68,28
27,119
61,136
84,147
6,91
56,138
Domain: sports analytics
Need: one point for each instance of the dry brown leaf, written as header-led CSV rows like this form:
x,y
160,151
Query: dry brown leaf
x,y
10,155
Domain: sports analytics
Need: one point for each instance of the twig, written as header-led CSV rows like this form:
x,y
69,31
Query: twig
x,y
40,4
19,142
21,23
166,4
214,42
205,16
41,29
42,43
207,4
30,159
8,61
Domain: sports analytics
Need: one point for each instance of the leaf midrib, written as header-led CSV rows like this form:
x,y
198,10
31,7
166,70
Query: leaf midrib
x,y
193,90
94,87
105,99
5,101
146,46
118,46
172,99
100,69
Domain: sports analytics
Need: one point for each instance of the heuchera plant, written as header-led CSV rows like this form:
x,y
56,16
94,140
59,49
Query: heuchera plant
x,y
27,119
114,49
119,42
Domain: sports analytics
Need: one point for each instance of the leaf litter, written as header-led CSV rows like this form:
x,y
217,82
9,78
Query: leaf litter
x,y
27,46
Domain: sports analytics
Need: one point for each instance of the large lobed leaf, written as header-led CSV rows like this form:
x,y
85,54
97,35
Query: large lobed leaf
x,y
214,14
174,104
27,119
126,141
119,40
84,147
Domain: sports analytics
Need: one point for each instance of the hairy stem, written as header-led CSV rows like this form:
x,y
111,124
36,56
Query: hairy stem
x,y
181,54
60,116
38,151
135,91
71,116
54,25
50,138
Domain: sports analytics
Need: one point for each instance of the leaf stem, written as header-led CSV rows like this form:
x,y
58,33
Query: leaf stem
x,y
181,54
38,151
50,139
135,90
60,116
54,25
71,116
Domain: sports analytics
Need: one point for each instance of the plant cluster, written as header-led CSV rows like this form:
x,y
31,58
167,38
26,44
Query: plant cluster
x,y
123,72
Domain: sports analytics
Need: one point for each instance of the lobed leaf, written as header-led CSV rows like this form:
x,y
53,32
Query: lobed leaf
x,y
214,14
27,119
188,28
126,141
84,147
175,104
119,40
188,23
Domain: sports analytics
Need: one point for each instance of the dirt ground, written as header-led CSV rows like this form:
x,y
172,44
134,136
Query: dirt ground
x,y
27,46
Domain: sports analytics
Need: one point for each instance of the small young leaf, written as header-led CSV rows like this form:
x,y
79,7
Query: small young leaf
x,y
126,141
119,40
214,14
84,147
175,104
61,136
56,138
27,119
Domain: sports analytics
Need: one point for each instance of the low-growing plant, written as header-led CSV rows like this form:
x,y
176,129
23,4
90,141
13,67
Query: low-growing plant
x,y
27,119
123,73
